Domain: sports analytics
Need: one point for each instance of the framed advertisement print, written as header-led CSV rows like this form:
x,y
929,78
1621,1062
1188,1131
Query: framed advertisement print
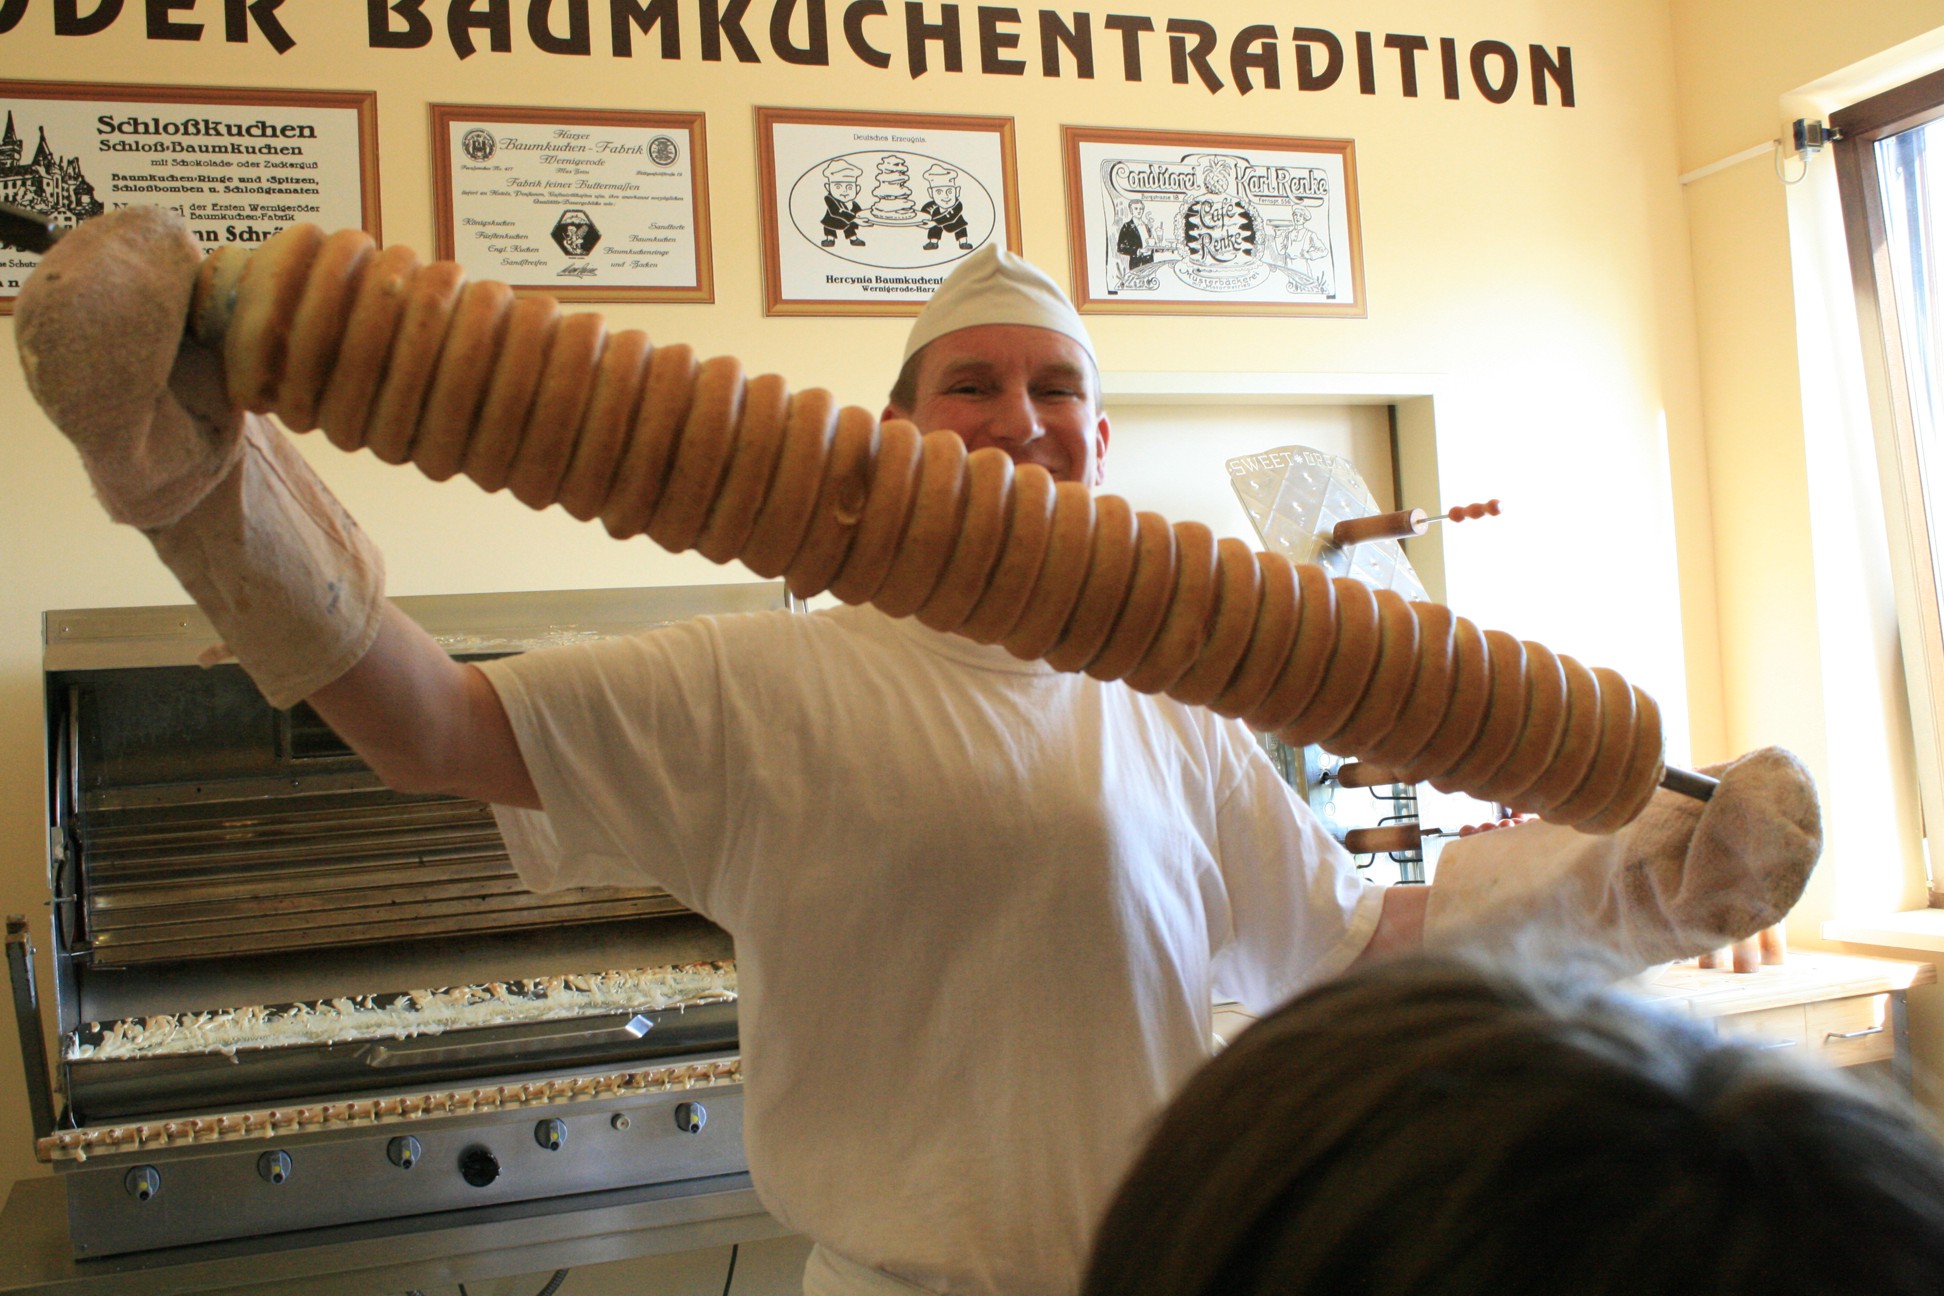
x,y
237,165
585,205
1181,223
866,213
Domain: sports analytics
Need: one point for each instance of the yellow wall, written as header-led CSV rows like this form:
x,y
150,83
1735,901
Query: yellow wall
x,y
1533,261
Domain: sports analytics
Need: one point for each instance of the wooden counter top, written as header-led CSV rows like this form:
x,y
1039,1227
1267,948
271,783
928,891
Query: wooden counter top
x,y
1809,976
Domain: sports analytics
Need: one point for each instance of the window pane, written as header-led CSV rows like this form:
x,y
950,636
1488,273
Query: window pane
x,y
1912,202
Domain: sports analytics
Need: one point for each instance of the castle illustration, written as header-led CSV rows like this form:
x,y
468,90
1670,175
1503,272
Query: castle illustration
x,y
51,185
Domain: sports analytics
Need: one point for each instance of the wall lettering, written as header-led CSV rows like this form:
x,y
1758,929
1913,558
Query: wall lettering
x,y
912,37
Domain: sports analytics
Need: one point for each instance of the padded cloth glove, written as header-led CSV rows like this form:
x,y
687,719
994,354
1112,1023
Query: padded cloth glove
x,y
1684,878
99,328
289,580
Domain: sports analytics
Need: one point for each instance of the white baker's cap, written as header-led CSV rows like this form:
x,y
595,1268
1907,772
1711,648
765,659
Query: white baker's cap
x,y
993,286
839,169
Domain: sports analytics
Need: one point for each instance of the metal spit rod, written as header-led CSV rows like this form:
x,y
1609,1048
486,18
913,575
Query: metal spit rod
x,y
31,230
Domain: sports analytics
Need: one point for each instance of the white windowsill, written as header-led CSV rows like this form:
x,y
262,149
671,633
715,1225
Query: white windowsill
x,y
1917,930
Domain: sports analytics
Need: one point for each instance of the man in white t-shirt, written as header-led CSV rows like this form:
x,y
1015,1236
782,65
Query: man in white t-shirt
x,y
980,907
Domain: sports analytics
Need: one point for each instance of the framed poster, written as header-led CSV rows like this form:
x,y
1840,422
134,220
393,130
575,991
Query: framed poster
x,y
238,165
589,206
866,213
1180,223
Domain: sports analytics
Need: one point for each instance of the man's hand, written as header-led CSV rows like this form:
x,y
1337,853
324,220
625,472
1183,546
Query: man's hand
x,y
99,327
1685,877
288,579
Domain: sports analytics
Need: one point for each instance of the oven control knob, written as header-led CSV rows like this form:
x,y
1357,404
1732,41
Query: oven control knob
x,y
274,1166
690,1117
478,1166
143,1182
551,1134
404,1151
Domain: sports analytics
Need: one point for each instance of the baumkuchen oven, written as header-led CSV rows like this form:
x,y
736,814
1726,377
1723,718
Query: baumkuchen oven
x,y
288,997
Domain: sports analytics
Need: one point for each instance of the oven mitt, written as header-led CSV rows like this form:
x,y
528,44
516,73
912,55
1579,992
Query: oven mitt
x,y
99,327
1683,878
288,579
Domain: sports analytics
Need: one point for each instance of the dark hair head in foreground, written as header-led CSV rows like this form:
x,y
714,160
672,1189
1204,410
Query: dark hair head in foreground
x,y
1430,1125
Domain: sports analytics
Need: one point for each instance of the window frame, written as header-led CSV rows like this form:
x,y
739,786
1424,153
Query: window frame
x,y
1913,528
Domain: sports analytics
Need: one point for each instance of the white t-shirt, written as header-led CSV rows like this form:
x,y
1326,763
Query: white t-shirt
x,y
979,908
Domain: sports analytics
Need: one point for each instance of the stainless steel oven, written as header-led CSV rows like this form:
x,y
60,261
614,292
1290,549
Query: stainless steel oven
x,y
288,998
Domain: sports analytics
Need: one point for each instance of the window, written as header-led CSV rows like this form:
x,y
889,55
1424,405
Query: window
x,y
1890,171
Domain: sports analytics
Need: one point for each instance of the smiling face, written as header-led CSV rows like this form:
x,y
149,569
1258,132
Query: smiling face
x,y
842,190
1030,391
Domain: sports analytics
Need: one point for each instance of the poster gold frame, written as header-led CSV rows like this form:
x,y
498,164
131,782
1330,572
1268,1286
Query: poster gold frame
x,y
440,117
362,102
1079,238
767,119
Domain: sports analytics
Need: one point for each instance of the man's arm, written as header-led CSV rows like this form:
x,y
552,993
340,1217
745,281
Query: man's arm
x,y
292,585
425,722
1400,924
1683,878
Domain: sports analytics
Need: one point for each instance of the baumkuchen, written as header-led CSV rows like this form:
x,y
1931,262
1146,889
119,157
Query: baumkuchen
x,y
415,363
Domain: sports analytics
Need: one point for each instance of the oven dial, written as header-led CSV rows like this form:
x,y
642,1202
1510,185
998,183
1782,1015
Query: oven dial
x,y
690,1117
404,1151
478,1166
274,1166
143,1182
551,1134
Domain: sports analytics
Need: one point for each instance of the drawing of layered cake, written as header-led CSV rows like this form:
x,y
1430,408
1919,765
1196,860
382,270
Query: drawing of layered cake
x,y
891,202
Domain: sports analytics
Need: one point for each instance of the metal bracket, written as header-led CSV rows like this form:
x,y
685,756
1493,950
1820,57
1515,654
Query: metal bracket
x,y
1810,135
27,1018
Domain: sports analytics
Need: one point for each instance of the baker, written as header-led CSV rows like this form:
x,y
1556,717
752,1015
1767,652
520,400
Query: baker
x,y
841,208
980,907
